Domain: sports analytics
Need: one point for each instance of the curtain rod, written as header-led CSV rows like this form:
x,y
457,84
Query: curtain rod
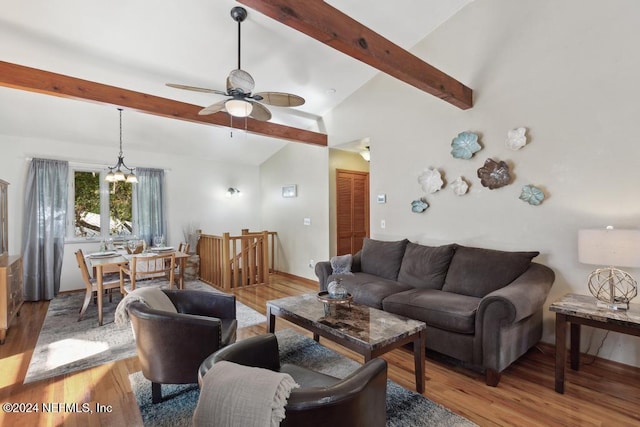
x,y
87,163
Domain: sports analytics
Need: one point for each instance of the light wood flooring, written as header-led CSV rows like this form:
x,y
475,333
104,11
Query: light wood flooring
x,y
600,394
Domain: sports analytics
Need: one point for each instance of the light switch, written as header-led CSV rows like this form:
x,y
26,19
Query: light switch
x,y
307,221
383,223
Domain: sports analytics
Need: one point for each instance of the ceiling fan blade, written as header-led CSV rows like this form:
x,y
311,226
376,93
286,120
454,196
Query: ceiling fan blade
x,y
280,99
240,79
197,89
260,112
213,108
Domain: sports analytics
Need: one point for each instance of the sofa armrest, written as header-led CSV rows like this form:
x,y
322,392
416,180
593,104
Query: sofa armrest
x,y
519,299
323,271
509,320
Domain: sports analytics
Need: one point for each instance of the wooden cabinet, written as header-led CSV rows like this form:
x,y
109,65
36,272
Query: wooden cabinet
x,y
11,298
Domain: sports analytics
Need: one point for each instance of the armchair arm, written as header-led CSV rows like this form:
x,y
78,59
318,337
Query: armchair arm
x,y
203,303
171,346
359,398
260,351
305,398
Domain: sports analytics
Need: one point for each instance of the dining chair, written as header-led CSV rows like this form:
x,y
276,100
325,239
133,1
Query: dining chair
x,y
182,248
145,267
110,282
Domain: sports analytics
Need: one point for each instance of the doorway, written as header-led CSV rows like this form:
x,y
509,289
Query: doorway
x,y
352,210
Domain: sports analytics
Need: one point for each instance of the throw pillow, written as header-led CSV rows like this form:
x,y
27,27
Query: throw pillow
x,y
341,264
381,258
477,272
425,267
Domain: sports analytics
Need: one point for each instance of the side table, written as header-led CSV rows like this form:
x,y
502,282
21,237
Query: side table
x,y
582,310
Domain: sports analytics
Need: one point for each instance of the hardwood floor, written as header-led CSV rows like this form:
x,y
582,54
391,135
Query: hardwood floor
x,y
600,394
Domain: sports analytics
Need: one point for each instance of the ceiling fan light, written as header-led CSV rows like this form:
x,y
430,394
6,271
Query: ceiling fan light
x,y
238,107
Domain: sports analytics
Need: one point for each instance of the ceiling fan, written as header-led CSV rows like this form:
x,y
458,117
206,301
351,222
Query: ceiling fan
x,y
240,84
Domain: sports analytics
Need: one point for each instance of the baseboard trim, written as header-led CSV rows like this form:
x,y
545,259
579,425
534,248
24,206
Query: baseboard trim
x,y
293,276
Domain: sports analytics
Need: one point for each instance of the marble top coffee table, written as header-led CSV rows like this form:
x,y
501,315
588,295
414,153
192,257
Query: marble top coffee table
x,y
365,330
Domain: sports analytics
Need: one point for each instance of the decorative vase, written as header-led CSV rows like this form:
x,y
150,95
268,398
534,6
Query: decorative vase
x,y
336,290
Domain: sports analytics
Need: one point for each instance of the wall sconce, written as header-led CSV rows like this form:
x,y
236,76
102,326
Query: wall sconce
x,y
366,154
233,192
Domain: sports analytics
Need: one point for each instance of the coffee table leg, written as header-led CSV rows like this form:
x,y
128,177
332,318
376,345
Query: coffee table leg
x,y
271,320
316,337
419,358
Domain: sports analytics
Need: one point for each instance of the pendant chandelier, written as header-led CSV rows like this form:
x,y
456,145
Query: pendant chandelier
x,y
115,172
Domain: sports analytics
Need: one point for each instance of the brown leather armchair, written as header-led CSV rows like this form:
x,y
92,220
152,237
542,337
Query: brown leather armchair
x,y
321,400
171,346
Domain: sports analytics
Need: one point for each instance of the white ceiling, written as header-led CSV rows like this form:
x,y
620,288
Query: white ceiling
x,y
141,45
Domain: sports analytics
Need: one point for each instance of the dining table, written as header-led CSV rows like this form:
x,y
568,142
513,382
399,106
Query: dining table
x,y
114,259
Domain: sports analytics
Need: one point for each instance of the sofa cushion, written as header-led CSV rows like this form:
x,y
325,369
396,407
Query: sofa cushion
x,y
381,258
444,310
425,267
368,289
478,272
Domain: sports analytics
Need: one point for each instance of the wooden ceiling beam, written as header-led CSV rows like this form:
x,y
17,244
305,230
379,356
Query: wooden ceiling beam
x,y
327,24
45,82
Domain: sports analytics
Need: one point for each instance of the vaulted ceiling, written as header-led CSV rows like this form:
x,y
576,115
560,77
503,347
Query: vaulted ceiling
x,y
140,46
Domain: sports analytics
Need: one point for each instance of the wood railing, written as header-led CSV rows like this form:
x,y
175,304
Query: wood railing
x,y
235,261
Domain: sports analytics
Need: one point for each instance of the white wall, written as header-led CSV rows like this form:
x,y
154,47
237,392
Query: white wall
x,y
567,71
195,191
299,244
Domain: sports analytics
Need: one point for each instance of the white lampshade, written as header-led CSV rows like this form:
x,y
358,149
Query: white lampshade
x,y
238,107
609,247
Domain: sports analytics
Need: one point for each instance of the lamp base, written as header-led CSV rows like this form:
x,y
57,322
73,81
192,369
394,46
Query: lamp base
x,y
613,305
613,288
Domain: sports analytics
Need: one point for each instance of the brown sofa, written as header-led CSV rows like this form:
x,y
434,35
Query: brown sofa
x,y
481,306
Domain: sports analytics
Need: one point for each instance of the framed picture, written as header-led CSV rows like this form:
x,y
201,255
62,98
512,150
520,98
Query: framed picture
x,y
290,191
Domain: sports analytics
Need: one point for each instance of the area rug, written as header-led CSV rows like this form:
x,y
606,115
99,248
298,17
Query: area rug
x,y
405,408
66,345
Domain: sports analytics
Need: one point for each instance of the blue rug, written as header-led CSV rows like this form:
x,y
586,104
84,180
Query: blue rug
x,y
405,408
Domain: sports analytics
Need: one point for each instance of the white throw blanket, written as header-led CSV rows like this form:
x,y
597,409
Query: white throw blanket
x,y
234,395
152,297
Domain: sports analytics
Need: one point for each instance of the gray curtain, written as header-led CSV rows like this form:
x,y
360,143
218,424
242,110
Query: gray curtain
x,y
150,216
44,229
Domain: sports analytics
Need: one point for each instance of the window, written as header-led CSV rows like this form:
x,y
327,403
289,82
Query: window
x,y
100,209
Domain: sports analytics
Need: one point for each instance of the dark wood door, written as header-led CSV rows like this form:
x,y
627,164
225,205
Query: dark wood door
x,y
352,210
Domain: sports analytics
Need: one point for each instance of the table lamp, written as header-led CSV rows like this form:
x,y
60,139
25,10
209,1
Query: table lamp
x,y
612,287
